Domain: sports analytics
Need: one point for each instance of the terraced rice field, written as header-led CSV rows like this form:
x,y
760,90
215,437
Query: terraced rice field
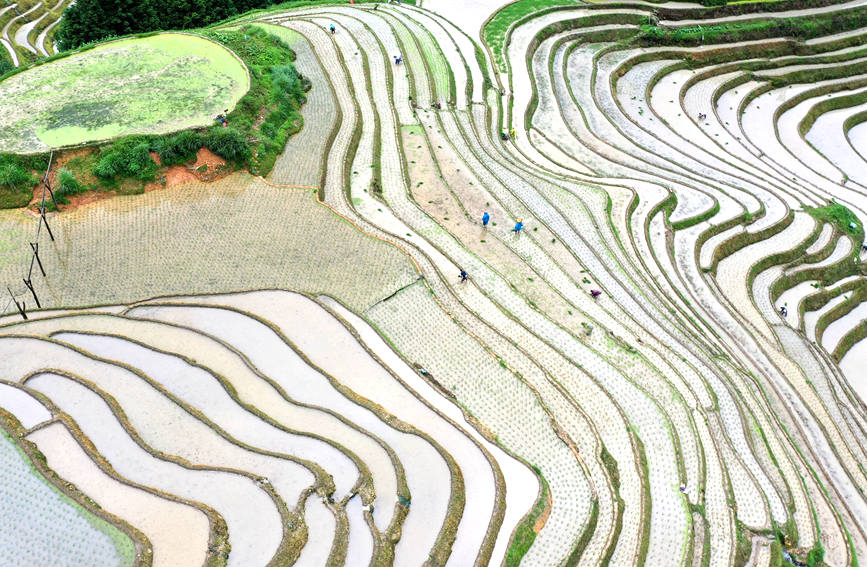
x,y
28,29
156,84
301,377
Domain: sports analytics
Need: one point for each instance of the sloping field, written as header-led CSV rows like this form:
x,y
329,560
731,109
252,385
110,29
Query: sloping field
x,y
150,85
649,353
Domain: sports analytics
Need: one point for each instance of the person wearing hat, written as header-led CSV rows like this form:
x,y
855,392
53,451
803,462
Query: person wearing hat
x,y
518,226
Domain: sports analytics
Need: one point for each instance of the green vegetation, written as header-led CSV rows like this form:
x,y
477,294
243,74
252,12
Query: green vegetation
x,y
229,144
816,556
525,533
495,29
155,84
88,21
180,148
840,217
129,157
744,545
277,91
17,178
95,20
67,185
804,27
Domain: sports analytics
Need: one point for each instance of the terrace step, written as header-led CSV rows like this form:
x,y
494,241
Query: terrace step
x,y
177,532
40,507
256,409
361,379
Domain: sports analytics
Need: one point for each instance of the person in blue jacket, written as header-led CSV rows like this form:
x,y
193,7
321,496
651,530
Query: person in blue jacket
x,y
485,219
518,226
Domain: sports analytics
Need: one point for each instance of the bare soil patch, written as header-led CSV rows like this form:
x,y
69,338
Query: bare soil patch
x,y
207,167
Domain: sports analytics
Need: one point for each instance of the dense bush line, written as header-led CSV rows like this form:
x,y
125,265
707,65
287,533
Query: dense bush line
x,y
93,20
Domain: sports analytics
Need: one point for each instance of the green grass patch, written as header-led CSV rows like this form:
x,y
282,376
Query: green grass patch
x,y
525,533
840,217
162,83
288,36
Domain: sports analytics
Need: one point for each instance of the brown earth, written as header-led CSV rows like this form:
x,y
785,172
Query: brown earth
x,y
207,167
543,517
59,161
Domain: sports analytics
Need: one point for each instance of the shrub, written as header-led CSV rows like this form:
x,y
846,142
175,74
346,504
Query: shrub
x,y
286,85
229,144
129,157
179,148
67,185
15,180
14,176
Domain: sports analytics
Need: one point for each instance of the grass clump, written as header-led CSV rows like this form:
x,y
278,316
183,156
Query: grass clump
x,y
180,148
17,178
229,144
13,175
67,184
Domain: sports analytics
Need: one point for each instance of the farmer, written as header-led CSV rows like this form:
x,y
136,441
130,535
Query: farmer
x,y
519,226
504,136
485,219
332,28
783,311
513,134
594,293
464,276
398,59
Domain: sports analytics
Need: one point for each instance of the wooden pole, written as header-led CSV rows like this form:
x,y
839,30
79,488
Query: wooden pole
x,y
21,307
35,246
29,285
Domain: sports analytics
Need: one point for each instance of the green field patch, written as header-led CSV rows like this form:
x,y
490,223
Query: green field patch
x,y
156,84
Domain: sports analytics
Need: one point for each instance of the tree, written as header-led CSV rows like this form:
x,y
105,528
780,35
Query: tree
x,y
85,21
92,20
